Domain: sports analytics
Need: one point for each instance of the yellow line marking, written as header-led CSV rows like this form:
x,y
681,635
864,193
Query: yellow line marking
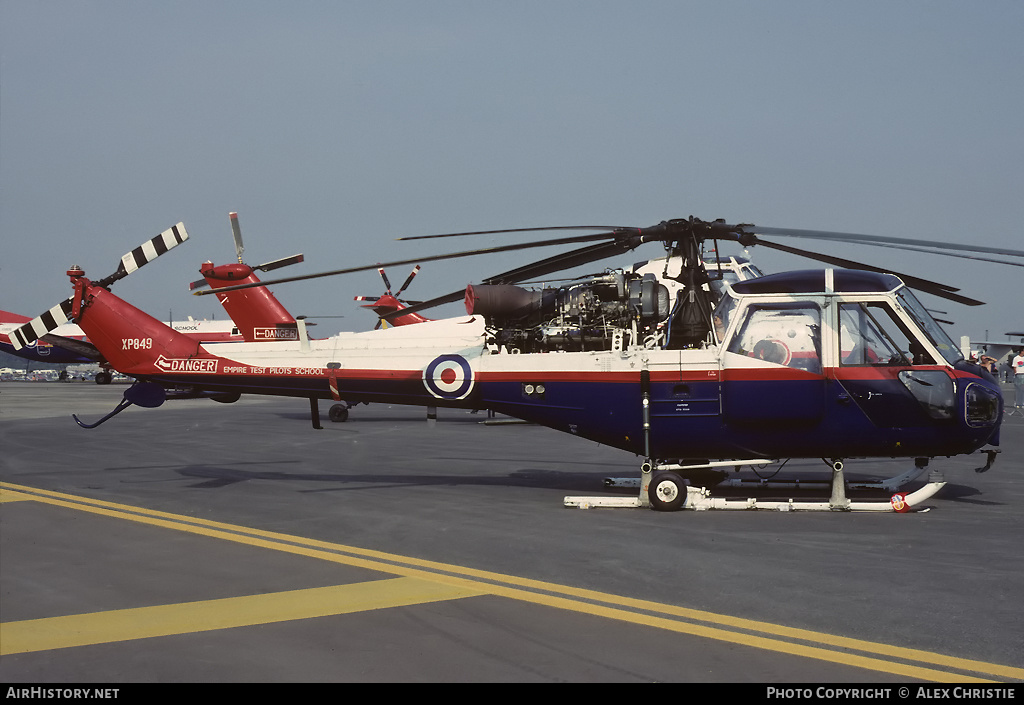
x,y
578,600
9,496
208,615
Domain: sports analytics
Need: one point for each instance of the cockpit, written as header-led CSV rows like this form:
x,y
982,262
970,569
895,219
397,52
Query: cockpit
x,y
815,318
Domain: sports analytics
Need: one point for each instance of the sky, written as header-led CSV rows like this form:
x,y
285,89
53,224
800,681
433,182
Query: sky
x,y
334,127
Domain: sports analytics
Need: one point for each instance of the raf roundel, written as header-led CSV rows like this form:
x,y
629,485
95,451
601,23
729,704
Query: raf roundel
x,y
448,377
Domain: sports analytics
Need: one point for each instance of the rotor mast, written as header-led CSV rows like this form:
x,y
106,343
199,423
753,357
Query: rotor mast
x,y
684,238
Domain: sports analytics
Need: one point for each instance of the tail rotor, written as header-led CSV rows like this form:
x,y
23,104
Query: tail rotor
x,y
68,309
389,301
236,232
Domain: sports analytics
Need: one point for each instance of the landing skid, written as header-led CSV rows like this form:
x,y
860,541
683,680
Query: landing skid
x,y
661,488
892,484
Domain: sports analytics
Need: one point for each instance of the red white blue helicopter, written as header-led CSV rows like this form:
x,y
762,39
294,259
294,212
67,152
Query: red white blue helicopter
x,y
833,364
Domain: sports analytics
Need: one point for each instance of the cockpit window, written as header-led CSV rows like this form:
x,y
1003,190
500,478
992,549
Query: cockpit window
x,y
751,272
733,274
722,275
938,337
784,334
871,334
723,314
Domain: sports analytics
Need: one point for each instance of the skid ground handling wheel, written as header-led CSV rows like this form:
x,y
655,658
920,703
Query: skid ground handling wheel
x,y
667,491
662,487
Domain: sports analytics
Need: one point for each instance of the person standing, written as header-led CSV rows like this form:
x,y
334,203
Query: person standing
x,y
1018,379
989,363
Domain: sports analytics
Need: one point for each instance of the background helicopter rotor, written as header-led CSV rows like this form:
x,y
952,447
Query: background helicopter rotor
x,y
387,294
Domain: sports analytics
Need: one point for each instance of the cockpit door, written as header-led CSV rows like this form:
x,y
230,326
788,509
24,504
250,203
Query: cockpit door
x,y
772,366
887,371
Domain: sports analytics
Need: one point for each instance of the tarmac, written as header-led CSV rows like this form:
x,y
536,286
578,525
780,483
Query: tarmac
x,y
209,543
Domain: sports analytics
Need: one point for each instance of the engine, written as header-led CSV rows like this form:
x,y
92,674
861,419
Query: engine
x,y
608,312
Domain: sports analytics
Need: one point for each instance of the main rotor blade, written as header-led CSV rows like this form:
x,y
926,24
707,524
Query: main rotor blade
x,y
518,230
278,263
878,239
911,248
423,305
754,229
557,263
414,260
566,260
936,289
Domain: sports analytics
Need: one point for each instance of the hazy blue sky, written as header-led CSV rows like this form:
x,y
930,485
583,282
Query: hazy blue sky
x,y
334,127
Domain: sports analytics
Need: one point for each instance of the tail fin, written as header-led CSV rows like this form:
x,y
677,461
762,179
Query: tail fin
x,y
257,312
132,342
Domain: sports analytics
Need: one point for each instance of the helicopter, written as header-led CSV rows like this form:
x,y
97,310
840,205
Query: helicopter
x,y
828,363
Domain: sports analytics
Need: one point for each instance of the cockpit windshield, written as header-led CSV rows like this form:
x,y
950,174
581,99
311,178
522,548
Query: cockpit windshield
x,y
939,338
